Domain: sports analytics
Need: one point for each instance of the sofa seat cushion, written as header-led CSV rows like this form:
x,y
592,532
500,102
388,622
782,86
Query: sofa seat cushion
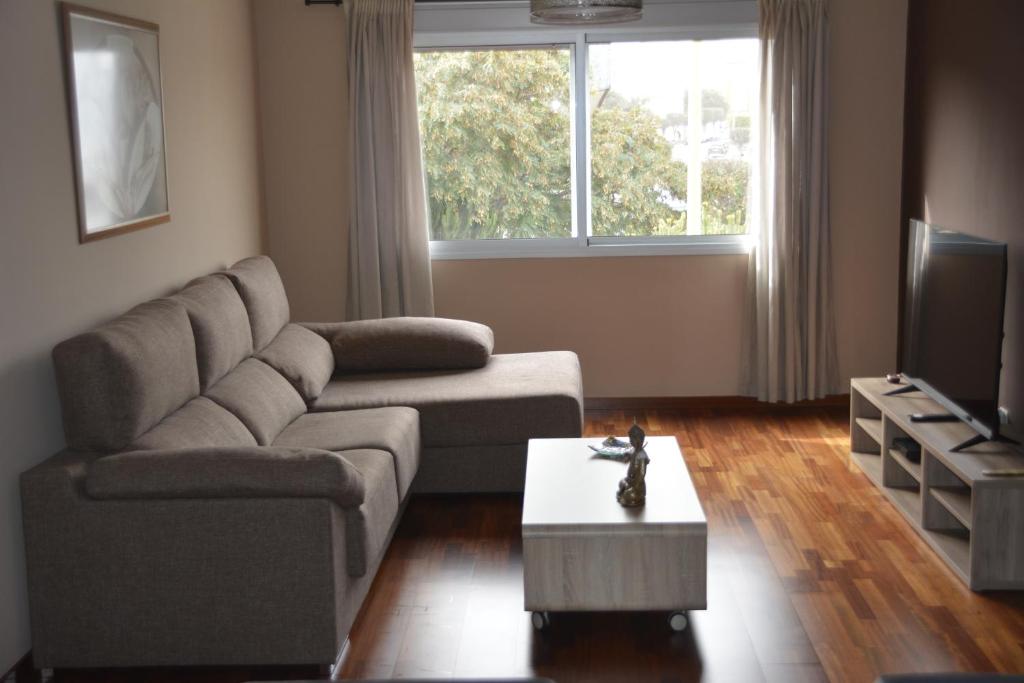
x,y
119,380
395,430
200,423
514,398
368,527
260,397
220,324
227,473
259,284
303,357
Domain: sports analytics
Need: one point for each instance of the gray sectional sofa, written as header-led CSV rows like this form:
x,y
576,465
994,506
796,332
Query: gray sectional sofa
x,y
232,479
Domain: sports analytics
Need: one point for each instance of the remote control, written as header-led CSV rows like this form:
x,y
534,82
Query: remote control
x,y
933,417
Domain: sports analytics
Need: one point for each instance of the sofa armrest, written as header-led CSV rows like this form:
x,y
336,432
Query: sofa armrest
x,y
248,472
395,344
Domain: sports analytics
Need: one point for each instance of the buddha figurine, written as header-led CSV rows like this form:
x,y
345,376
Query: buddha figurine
x,y
633,488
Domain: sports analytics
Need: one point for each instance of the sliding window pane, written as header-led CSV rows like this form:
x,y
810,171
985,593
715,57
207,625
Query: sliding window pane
x,y
637,115
643,145
497,145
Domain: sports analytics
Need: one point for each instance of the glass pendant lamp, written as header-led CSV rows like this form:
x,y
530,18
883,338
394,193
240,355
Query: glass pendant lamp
x,y
584,11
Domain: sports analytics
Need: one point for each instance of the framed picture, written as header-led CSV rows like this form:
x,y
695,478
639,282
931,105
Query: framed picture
x,y
117,121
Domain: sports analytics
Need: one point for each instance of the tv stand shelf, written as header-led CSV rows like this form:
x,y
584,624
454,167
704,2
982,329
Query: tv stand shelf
x,y
974,522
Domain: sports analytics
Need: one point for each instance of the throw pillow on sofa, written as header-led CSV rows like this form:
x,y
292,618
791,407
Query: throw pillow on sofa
x,y
395,344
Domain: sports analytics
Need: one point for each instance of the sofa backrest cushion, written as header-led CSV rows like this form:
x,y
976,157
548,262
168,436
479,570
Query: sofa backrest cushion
x,y
119,380
200,423
220,324
303,357
259,284
260,397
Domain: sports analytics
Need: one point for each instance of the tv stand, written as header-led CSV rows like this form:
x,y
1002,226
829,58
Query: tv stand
x,y
973,521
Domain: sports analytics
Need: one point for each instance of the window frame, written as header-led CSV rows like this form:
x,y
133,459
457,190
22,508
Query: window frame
x,y
582,243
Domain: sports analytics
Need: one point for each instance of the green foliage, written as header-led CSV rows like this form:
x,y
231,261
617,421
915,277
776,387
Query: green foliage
x,y
725,183
632,173
496,142
496,147
673,119
740,131
740,136
715,105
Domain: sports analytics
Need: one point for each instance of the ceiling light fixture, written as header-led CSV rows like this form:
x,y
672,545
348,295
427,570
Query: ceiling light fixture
x,y
585,11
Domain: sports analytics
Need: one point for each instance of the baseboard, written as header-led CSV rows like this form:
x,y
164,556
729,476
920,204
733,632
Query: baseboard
x,y
696,403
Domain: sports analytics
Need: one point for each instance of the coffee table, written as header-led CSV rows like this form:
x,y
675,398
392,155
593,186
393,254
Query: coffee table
x,y
582,551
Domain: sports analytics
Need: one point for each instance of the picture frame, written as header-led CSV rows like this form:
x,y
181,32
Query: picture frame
x,y
116,112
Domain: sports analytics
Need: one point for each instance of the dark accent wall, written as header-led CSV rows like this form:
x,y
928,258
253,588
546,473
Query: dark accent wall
x,y
963,164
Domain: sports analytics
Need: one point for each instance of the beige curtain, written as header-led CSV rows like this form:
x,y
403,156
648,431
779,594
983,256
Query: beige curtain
x,y
389,258
791,349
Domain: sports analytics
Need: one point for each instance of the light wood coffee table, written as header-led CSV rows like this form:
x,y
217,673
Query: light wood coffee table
x,y
582,551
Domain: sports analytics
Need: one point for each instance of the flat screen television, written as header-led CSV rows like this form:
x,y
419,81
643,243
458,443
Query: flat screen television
x,y
953,323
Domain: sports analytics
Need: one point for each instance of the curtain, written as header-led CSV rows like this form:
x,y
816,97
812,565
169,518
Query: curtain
x,y
389,257
791,348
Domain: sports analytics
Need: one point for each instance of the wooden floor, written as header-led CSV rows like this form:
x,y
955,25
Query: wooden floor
x,y
812,576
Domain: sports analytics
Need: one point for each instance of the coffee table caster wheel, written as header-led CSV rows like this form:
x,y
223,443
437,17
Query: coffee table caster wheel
x,y
540,620
678,622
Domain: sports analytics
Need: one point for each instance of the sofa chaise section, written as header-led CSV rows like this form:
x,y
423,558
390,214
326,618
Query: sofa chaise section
x,y
475,424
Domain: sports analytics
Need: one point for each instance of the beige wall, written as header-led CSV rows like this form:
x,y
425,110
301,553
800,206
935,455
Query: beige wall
x,y
50,286
643,326
304,109
687,310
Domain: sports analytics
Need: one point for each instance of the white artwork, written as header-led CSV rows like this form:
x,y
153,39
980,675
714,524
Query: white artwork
x,y
117,122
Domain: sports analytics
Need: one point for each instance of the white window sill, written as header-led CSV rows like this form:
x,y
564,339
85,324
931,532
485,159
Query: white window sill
x,y
473,250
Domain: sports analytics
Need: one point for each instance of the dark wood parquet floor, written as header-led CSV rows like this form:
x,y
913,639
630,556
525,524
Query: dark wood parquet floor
x,y
812,577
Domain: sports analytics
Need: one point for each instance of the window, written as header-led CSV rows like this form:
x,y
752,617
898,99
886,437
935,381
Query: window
x,y
654,172
497,147
580,148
